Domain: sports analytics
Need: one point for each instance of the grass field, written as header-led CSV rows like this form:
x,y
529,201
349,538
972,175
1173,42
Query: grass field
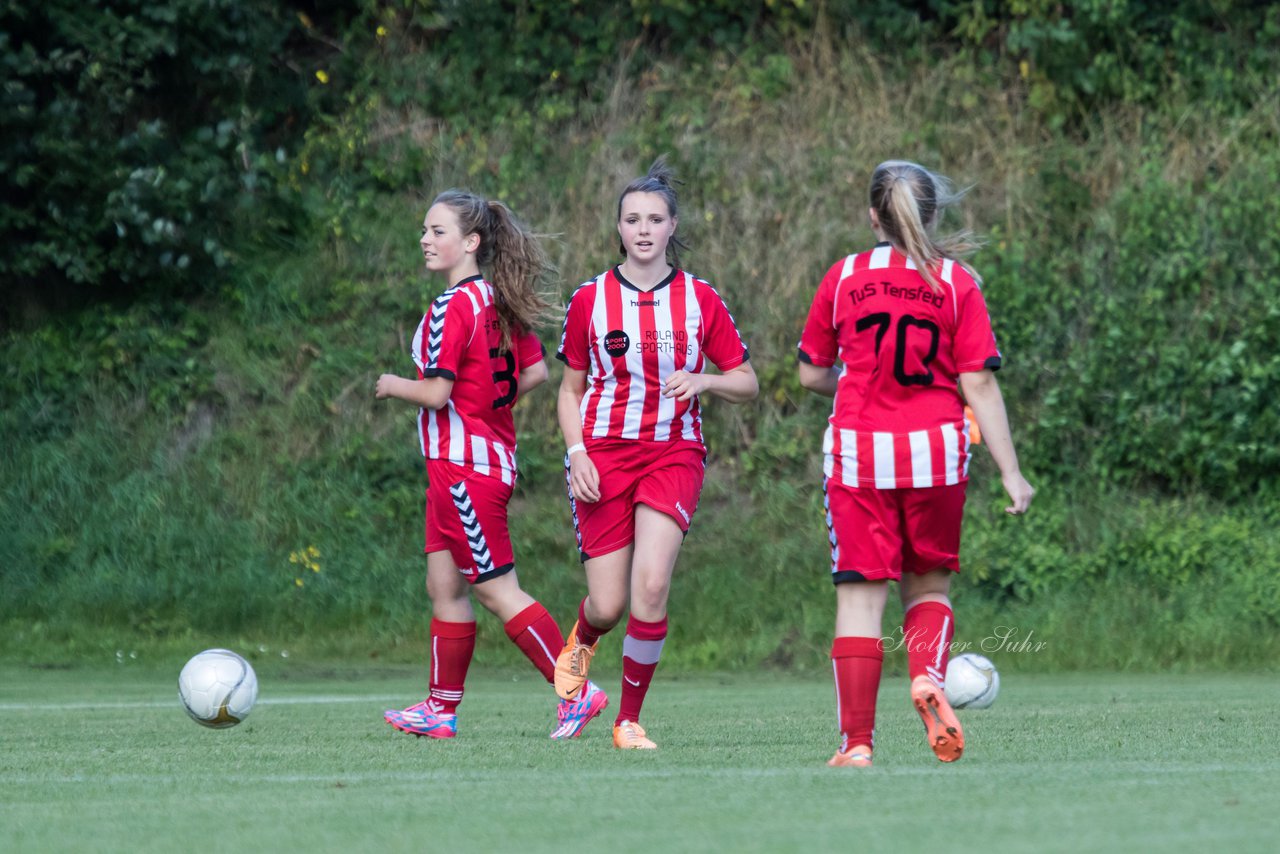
x,y
106,760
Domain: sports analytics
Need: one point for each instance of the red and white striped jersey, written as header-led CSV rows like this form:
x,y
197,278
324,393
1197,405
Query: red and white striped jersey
x,y
629,341
459,339
897,420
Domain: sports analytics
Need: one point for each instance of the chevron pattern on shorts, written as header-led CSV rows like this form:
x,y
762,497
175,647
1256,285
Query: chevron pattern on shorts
x,y
573,503
471,527
831,528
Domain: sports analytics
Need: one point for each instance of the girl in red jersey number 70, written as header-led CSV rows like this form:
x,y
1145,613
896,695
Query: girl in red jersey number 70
x,y
475,356
636,343
890,333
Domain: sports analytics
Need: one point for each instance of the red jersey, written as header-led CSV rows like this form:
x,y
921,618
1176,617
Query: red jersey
x,y
629,341
459,339
897,420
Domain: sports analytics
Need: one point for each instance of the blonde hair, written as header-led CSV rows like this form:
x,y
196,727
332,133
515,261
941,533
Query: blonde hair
x,y
510,255
908,200
661,180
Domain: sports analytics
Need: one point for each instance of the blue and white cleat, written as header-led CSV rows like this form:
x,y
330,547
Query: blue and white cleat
x,y
420,720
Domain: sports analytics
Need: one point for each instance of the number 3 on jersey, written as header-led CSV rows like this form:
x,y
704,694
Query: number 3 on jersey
x,y
909,337
504,376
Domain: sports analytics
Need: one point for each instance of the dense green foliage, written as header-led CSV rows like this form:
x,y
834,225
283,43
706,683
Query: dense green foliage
x,y
142,141
189,467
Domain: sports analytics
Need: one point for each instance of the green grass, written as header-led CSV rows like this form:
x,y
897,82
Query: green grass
x,y
105,760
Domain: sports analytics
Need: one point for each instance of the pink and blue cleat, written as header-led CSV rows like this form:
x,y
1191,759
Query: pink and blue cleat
x,y
421,719
574,715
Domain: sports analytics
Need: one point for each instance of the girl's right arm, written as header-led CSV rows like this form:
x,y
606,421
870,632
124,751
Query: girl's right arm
x,y
584,479
430,393
982,393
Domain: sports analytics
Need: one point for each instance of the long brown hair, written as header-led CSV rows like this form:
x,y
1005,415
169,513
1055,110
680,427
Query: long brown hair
x,y
908,200
660,180
511,257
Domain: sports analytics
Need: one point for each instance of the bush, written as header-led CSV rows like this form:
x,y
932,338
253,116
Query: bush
x,y
1077,56
140,138
1173,373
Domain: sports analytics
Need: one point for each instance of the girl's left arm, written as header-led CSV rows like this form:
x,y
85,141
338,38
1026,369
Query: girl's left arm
x,y
737,385
983,395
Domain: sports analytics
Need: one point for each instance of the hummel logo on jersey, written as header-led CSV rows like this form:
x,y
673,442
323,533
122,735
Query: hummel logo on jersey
x,y
616,343
636,303
683,512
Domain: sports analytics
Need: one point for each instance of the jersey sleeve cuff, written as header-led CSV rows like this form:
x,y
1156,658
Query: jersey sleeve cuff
x,y
432,373
991,363
802,356
542,354
562,357
730,364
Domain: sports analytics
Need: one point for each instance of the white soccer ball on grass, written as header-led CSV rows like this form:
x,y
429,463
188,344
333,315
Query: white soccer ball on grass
x,y
218,688
972,681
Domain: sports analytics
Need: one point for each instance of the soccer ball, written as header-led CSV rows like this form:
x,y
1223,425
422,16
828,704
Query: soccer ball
x,y
218,688
972,681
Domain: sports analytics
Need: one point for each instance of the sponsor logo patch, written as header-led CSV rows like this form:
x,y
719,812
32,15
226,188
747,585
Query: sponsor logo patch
x,y
616,343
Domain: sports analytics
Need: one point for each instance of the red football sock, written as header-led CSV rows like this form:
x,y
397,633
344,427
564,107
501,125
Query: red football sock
x,y
452,645
927,629
538,637
641,649
857,662
587,633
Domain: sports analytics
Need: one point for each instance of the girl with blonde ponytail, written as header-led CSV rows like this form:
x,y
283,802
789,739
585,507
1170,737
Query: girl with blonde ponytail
x,y
476,353
906,202
890,334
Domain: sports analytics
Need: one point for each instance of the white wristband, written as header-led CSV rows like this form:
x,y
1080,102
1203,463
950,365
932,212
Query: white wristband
x,y
573,449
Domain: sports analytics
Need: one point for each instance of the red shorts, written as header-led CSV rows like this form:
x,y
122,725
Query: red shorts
x,y
879,534
666,476
467,516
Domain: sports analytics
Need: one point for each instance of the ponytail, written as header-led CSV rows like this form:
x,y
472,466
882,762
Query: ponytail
x,y
511,256
660,180
908,200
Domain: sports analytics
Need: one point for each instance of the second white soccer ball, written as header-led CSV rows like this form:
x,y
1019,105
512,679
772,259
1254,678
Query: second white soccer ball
x,y
218,688
972,681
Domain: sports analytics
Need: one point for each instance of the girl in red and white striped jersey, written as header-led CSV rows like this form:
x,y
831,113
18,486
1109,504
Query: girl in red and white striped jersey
x,y
475,356
637,342
889,335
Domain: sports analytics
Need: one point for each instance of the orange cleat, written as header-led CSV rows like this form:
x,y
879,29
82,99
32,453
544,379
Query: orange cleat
x,y
629,735
942,729
858,756
572,665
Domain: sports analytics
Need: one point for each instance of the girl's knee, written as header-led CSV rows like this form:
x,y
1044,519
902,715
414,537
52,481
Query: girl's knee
x,y
651,593
606,613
